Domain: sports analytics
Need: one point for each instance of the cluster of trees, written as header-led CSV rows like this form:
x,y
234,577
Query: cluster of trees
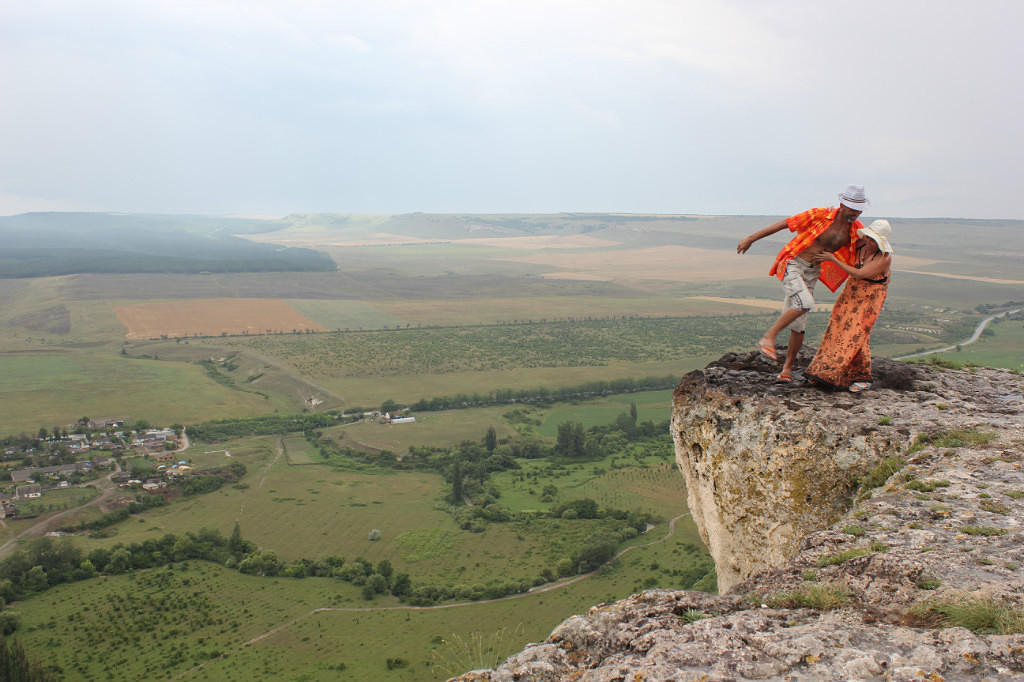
x,y
46,562
16,666
591,389
268,425
575,442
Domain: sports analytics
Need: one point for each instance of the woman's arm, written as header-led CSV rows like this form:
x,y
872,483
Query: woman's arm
x,y
879,264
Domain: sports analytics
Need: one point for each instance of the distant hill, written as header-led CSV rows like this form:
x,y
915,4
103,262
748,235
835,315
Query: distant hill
x,y
49,244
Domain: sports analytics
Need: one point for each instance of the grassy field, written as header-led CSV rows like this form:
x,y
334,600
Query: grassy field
x,y
99,629
50,387
655,406
56,500
173,623
431,428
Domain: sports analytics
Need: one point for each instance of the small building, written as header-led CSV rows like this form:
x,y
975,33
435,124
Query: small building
x,y
28,492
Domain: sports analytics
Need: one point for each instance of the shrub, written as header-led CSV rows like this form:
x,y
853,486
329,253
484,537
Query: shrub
x,y
882,472
956,438
818,597
925,486
986,531
980,616
691,615
596,549
841,557
994,507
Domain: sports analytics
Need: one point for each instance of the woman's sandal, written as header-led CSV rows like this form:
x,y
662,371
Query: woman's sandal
x,y
784,378
858,386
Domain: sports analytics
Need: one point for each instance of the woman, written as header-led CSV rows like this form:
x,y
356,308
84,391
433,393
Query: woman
x,y
844,358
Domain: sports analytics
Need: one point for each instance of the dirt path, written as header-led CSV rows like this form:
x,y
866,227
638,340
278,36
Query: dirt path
x,y
357,609
44,525
266,472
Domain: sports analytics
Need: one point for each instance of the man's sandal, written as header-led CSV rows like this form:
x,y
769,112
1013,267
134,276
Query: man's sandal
x,y
784,378
767,351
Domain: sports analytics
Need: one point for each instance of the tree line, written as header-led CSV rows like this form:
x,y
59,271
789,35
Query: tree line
x,y
590,389
267,425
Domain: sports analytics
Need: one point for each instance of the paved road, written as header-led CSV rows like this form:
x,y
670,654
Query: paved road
x,y
974,337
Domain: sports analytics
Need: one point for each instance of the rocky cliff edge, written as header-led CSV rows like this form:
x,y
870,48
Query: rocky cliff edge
x,y
871,536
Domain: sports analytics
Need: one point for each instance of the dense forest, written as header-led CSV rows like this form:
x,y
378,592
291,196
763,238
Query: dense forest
x,y
120,244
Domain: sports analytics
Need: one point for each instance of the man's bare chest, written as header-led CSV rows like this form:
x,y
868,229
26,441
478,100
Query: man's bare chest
x,y
832,239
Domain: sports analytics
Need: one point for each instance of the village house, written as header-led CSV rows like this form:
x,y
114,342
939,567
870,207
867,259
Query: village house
x,y
115,423
28,492
59,471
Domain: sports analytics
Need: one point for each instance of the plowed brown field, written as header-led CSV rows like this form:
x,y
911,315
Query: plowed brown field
x,y
212,317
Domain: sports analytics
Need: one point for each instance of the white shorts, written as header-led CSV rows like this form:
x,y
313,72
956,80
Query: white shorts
x,y
798,286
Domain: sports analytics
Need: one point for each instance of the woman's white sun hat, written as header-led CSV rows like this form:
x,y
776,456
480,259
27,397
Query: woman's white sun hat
x,y
880,231
854,198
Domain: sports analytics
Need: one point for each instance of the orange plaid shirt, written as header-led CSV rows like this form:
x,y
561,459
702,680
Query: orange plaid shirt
x,y
808,226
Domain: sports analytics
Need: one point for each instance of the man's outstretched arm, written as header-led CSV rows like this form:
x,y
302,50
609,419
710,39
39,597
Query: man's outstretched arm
x,y
747,242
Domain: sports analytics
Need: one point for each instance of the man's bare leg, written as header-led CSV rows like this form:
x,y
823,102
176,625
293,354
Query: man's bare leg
x,y
785,319
796,340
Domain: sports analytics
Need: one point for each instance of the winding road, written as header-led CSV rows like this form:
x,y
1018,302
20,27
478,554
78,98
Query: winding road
x,y
974,337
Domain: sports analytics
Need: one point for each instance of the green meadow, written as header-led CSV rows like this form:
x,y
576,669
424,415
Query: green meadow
x,y
46,388
210,621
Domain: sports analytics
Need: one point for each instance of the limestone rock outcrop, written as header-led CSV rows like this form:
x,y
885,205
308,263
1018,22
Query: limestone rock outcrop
x,y
844,528
765,465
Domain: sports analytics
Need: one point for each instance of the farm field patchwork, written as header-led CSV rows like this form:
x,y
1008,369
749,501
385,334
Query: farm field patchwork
x,y
212,317
439,311
443,350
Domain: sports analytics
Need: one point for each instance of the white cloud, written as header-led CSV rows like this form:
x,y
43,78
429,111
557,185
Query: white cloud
x,y
712,106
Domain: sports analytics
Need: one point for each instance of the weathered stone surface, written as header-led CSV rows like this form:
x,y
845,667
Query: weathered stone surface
x,y
767,463
772,473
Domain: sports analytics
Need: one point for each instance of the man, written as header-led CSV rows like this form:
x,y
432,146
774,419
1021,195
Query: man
x,y
799,265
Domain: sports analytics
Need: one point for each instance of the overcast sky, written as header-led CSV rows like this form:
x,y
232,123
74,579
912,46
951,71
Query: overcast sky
x,y
487,106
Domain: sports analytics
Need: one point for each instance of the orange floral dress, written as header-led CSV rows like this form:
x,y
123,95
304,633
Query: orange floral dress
x,y
844,356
